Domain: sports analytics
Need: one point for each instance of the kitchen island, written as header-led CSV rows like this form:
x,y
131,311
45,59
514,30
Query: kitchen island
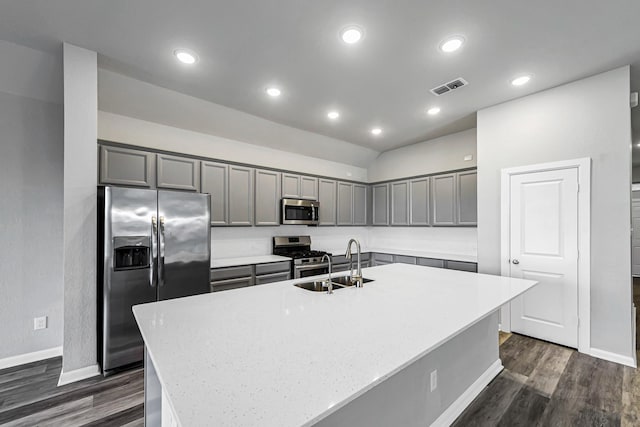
x,y
278,355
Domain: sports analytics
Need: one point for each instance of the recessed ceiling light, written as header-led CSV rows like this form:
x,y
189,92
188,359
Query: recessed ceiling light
x,y
522,80
433,111
376,131
452,44
186,56
333,115
273,92
352,34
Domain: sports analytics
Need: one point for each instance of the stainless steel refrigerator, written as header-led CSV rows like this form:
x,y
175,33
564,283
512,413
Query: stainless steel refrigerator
x,y
152,245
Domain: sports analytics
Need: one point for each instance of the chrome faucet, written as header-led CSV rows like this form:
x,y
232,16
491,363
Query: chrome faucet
x,y
329,282
357,278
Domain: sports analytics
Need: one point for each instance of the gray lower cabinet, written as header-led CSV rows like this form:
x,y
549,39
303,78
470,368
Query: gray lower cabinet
x,y
467,198
267,197
240,195
327,197
462,266
443,197
226,278
177,173
124,166
380,204
345,203
272,278
214,181
400,203
403,259
430,262
419,201
359,204
381,259
228,284
308,187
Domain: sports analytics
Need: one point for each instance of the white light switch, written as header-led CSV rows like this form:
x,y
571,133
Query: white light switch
x,y
468,157
40,323
434,380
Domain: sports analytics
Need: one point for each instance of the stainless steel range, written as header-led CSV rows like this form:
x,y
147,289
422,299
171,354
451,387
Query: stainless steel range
x,y
305,261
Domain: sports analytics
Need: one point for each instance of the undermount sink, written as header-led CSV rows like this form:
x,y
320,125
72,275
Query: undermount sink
x,y
319,285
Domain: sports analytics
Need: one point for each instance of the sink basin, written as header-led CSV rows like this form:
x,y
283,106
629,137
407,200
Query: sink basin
x,y
338,283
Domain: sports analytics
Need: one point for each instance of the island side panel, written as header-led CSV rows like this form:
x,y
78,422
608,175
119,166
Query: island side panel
x,y
152,393
465,364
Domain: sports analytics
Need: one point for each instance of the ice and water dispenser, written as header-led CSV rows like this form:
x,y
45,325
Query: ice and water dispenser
x,y
131,252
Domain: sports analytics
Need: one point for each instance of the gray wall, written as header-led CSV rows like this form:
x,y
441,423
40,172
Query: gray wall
x,y
587,118
80,205
436,155
30,200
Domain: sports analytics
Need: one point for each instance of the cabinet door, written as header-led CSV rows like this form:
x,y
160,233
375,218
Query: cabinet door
x,y
123,166
226,285
290,186
430,262
419,201
380,204
267,197
462,266
400,203
214,181
272,278
240,195
443,198
468,198
345,203
327,198
177,173
403,259
359,204
308,188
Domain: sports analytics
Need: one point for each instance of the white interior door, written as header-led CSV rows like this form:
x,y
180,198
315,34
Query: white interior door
x,y
543,246
635,238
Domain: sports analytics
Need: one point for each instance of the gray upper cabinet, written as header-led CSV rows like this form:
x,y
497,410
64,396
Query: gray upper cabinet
x,y
308,187
124,166
240,195
290,186
468,198
345,203
443,198
214,181
178,173
327,197
267,203
359,204
419,201
380,205
400,203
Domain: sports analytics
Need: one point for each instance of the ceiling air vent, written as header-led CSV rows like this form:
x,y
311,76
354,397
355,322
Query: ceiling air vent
x,y
448,87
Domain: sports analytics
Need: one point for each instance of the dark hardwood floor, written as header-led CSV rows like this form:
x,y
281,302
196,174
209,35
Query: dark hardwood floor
x,y
542,384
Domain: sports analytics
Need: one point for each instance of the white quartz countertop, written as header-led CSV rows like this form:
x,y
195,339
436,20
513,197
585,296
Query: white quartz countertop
x,y
278,355
410,252
247,260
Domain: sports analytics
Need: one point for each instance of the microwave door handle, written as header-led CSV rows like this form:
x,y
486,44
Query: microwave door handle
x,y
154,252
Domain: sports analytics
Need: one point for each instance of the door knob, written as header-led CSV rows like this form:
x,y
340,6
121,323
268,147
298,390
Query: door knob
x,y
515,261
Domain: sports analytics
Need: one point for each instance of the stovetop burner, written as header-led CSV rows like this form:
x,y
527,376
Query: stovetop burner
x,y
296,247
306,254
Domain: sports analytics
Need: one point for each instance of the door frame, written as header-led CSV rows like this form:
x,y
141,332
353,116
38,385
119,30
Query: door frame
x,y
583,165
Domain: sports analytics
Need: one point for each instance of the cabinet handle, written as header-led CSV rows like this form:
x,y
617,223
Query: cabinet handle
x,y
515,261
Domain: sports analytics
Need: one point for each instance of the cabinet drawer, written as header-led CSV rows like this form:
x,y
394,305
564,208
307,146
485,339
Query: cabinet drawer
x,y
272,278
231,272
462,266
402,259
273,267
431,262
225,285
383,258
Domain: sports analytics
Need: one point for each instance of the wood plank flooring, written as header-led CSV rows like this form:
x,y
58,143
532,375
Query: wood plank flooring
x,y
542,384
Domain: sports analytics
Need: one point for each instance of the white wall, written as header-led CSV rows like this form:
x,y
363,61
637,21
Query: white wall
x,y
31,186
80,209
436,155
586,118
128,130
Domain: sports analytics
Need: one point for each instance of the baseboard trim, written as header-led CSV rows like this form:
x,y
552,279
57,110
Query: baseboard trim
x,y
612,357
456,408
21,359
78,374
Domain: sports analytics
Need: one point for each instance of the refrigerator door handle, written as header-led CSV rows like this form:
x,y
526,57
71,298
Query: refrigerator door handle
x,y
154,251
161,254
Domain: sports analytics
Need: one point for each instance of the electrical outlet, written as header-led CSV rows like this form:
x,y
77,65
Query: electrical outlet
x,y
40,323
468,157
434,380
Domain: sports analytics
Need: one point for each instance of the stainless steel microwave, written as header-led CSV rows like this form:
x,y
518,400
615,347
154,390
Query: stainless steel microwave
x,y
299,212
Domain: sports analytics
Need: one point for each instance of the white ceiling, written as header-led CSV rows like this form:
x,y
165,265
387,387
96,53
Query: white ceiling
x,y
383,81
